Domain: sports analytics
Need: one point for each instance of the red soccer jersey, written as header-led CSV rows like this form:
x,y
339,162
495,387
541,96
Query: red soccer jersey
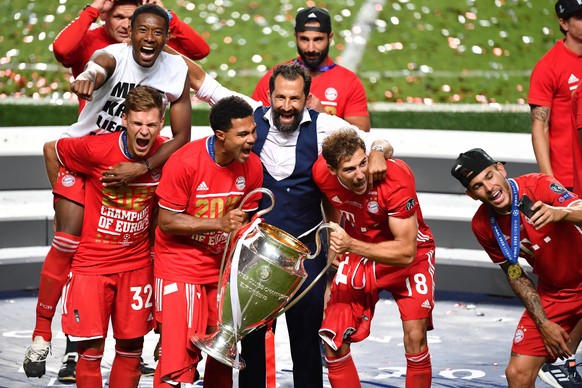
x,y
194,184
552,83
116,224
576,141
554,252
341,92
366,215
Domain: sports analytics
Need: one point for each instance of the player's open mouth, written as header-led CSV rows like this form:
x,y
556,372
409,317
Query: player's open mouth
x,y
142,144
359,186
287,118
147,53
246,152
496,197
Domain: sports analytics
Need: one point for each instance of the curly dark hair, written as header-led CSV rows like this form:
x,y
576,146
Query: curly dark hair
x,y
227,109
151,9
341,144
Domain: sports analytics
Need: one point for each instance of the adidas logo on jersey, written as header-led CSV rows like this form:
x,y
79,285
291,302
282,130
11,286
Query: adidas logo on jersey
x,y
573,79
202,187
426,304
336,199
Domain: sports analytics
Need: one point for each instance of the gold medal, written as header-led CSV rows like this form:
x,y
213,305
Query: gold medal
x,y
514,271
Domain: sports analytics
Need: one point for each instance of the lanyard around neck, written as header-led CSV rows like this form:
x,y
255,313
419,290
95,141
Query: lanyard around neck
x,y
511,253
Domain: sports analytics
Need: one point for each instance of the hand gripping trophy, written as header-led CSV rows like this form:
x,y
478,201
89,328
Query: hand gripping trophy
x,y
268,271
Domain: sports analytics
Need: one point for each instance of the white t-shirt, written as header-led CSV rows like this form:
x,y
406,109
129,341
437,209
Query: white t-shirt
x,y
103,113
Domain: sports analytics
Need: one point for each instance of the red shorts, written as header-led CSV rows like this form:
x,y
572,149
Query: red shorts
x,y
89,301
412,287
527,339
183,310
70,185
355,291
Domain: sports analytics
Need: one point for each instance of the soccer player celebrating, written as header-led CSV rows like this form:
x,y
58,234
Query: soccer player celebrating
x,y
533,217
109,76
385,246
112,271
203,185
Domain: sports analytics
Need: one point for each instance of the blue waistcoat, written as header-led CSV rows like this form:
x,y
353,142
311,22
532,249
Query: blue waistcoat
x,y
297,198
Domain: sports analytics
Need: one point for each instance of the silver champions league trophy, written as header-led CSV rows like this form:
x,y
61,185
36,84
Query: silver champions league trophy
x,y
268,265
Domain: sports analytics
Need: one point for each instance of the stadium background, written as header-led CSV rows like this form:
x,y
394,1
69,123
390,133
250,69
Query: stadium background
x,y
441,69
419,52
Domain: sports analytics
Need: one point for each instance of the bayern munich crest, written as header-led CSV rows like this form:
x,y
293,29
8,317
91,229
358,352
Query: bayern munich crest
x,y
373,207
518,337
331,94
240,182
68,180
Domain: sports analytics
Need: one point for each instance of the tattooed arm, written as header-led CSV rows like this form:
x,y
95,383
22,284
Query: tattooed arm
x,y
554,336
540,126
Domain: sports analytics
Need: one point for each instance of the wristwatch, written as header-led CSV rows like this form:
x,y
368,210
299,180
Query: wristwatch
x,y
377,148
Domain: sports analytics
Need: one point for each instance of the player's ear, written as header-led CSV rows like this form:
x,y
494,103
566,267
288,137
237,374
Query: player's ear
x,y
332,170
470,194
220,135
124,119
501,168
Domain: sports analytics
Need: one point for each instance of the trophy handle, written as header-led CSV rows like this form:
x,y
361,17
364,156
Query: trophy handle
x,y
264,191
257,215
323,271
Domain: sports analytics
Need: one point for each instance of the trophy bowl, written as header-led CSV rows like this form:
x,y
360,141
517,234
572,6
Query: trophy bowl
x,y
269,270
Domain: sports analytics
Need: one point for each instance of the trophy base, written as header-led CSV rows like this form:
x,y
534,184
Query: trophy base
x,y
221,346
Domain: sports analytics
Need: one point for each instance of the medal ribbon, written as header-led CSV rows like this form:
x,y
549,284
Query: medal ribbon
x,y
124,142
210,146
322,68
510,253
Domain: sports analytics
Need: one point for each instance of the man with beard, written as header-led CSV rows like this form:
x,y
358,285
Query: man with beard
x,y
335,89
110,75
289,138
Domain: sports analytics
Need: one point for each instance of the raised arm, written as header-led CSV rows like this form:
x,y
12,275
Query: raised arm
x,y
68,40
545,214
380,151
97,71
186,40
183,38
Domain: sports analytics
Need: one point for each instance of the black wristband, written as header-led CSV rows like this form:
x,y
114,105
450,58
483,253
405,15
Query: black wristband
x,y
147,163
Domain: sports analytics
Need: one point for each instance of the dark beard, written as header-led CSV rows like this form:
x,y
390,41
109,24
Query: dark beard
x,y
313,65
286,128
